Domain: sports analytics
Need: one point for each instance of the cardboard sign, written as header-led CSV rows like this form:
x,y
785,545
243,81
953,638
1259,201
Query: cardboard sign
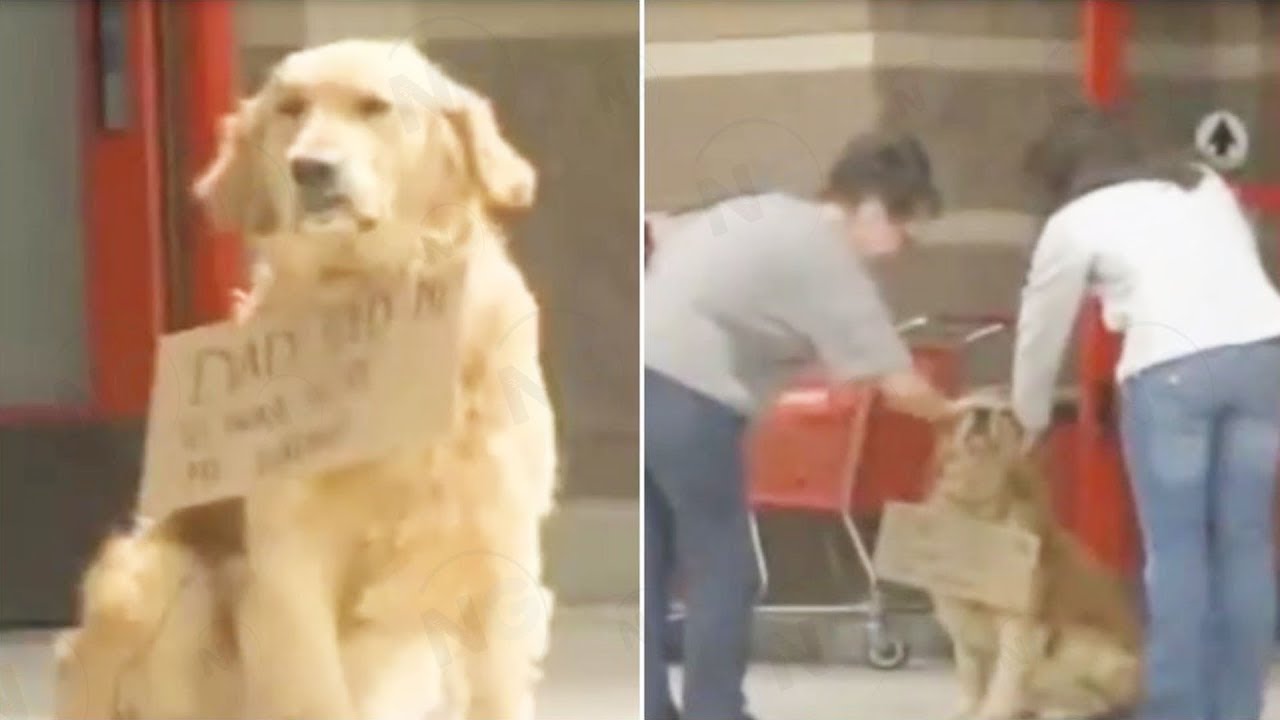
x,y
950,553
289,394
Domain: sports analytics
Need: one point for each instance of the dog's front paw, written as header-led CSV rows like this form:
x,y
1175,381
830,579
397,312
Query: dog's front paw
x,y
967,708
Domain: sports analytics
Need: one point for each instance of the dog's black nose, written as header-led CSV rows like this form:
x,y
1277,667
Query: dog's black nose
x,y
312,173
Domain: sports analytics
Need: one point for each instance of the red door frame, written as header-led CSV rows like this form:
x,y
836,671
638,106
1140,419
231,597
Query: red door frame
x,y
209,73
124,229
122,188
1103,507
1103,514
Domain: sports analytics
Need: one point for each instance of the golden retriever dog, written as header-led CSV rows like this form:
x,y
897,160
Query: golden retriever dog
x,y
1078,649
408,587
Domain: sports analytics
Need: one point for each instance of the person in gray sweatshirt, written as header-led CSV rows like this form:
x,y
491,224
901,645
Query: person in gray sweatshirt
x,y
739,297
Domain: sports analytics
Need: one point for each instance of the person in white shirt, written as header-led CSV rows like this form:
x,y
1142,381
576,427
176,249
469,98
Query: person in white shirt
x,y
1167,249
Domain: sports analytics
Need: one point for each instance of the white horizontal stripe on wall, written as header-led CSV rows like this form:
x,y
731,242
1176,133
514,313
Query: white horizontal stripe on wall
x,y
972,53
276,23
751,56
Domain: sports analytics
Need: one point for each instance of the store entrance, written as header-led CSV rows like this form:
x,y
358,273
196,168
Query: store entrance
x,y
89,274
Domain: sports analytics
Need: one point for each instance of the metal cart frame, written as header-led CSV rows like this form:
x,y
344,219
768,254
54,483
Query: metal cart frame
x,y
885,650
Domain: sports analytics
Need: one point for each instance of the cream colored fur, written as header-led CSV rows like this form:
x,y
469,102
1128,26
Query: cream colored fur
x,y
1077,650
405,588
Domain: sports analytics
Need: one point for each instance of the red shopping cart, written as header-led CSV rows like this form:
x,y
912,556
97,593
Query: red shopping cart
x,y
840,452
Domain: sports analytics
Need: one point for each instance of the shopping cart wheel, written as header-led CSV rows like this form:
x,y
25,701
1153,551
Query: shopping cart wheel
x,y
887,653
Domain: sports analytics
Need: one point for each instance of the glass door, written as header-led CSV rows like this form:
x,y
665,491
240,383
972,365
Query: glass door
x,y
45,361
79,209
111,108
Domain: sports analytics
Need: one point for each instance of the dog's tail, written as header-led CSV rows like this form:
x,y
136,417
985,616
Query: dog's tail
x,y
126,593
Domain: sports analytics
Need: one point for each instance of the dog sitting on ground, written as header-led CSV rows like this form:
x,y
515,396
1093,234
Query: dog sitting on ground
x,y
408,587
1078,649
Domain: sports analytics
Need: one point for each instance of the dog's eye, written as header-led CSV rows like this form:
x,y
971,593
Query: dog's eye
x,y
371,106
292,107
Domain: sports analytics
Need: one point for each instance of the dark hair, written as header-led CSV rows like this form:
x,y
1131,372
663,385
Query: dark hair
x,y
1086,148
892,166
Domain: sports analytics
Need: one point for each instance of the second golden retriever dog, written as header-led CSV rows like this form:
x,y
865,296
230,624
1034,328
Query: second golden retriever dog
x,y
1078,649
408,587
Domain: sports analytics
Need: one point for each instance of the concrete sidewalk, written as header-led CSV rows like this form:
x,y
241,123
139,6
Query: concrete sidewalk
x,y
921,691
592,674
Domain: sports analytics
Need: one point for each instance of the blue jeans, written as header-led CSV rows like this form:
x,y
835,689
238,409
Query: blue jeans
x,y
1202,441
696,518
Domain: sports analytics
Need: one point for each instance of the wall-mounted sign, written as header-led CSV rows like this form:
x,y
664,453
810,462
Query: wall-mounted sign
x,y
1223,140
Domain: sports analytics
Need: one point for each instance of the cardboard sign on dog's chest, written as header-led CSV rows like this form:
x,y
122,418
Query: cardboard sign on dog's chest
x,y
289,394
951,554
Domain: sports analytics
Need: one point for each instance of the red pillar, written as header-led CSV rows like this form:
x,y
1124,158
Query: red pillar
x,y
1103,515
209,71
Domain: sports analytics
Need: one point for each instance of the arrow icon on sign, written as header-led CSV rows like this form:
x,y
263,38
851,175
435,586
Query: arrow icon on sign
x,y
1222,139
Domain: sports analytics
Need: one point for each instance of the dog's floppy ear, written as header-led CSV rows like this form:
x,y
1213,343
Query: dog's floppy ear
x,y
508,179
231,188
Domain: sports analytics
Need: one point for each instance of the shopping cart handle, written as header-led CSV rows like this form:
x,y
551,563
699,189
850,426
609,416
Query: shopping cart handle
x,y
983,324
821,402
984,331
956,320
975,319
805,401
913,323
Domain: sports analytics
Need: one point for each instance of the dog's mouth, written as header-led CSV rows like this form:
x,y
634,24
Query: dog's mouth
x,y
321,200
971,492
981,445
976,477
332,213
